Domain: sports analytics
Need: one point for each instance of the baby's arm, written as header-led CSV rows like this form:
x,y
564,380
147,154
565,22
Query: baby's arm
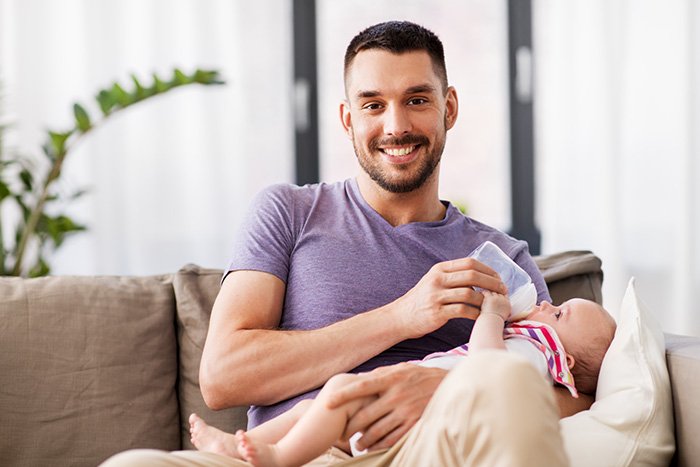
x,y
488,328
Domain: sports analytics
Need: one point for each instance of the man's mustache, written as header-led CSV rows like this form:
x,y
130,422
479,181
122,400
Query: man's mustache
x,y
405,140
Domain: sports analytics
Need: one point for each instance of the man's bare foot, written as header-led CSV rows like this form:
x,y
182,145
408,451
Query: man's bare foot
x,y
257,453
210,439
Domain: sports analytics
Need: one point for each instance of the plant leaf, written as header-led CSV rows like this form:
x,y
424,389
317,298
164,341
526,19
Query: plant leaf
x,y
82,119
120,96
58,141
4,190
207,77
106,101
41,268
139,91
27,179
159,86
179,78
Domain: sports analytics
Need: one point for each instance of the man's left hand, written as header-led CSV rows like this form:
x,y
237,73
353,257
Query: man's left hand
x,y
403,391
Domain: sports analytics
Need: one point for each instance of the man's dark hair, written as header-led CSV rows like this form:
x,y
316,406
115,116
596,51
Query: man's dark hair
x,y
399,37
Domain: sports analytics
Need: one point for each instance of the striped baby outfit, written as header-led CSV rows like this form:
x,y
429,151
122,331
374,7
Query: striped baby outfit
x,y
543,337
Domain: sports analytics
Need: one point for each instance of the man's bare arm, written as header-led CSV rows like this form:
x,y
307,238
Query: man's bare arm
x,y
248,360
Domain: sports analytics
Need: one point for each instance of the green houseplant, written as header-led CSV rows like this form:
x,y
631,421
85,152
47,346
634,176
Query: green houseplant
x,y
29,187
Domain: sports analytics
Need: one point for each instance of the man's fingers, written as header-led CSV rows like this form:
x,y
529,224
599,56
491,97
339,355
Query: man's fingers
x,y
379,431
465,295
365,385
465,264
474,278
367,416
460,310
390,439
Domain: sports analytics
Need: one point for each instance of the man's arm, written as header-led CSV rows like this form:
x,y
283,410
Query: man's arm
x,y
248,360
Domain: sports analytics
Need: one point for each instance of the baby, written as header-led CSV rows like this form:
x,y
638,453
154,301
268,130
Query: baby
x,y
306,431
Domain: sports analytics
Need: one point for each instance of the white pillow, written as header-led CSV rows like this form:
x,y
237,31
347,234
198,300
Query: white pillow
x,y
631,421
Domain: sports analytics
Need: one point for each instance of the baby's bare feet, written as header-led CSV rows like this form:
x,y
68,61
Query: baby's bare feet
x,y
257,453
210,439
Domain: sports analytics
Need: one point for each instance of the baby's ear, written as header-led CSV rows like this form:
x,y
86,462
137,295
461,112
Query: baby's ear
x,y
571,361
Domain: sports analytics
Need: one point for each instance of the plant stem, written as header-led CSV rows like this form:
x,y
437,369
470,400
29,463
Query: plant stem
x,y
38,209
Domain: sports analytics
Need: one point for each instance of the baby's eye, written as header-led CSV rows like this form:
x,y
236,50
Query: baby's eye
x,y
557,314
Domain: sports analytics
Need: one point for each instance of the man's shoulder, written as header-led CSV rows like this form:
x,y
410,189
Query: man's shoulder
x,y
308,191
483,232
302,197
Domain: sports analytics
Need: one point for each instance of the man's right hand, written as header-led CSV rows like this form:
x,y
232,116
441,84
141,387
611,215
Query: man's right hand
x,y
445,292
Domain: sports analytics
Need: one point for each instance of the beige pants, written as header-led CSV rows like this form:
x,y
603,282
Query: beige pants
x,y
492,410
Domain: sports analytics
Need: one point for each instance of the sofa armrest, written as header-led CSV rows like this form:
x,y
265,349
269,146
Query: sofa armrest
x,y
683,361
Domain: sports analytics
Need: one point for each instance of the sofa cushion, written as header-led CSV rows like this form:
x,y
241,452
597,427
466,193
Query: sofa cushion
x,y
631,420
195,291
572,274
88,368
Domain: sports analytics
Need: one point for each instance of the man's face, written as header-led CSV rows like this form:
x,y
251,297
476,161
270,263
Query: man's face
x,y
397,115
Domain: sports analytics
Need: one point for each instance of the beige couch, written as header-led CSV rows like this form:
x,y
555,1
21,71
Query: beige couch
x,y
90,366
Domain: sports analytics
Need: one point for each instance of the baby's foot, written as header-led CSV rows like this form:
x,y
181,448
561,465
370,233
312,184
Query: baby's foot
x,y
210,439
257,453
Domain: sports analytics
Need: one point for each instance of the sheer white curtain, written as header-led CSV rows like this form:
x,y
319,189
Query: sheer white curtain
x,y
617,118
170,178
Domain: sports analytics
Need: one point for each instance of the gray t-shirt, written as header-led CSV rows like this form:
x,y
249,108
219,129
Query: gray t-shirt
x,y
339,257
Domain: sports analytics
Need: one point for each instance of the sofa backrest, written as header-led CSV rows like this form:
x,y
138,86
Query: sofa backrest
x,y
88,367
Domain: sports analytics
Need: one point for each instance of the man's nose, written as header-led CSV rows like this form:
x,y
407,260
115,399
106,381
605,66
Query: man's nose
x,y
396,121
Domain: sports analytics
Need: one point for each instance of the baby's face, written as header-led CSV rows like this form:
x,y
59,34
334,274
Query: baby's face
x,y
576,321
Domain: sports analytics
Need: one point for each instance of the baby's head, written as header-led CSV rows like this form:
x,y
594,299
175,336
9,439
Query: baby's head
x,y
585,330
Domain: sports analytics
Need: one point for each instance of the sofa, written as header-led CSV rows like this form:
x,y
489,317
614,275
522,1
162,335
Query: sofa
x,y
94,365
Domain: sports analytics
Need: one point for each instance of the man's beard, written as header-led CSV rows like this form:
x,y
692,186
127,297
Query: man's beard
x,y
413,178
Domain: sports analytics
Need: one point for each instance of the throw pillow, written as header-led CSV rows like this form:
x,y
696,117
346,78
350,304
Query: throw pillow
x,y
631,420
195,291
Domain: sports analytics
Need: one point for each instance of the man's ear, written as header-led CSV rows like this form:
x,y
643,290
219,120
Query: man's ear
x,y
345,118
571,361
451,107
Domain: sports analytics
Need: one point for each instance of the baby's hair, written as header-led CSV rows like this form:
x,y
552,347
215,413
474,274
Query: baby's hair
x,y
589,359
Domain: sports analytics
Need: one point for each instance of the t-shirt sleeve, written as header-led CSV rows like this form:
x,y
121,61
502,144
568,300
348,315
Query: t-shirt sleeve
x,y
266,237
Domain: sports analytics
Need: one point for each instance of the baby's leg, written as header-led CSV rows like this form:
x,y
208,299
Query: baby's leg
x,y
311,436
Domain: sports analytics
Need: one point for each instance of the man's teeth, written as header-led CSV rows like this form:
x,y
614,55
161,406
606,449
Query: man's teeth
x,y
399,151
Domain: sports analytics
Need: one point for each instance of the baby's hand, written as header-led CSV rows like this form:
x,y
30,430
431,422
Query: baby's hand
x,y
496,303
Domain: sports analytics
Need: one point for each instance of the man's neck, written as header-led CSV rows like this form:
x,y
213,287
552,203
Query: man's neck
x,y
421,205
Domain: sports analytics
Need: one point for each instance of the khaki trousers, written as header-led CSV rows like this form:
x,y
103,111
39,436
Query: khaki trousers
x,y
492,410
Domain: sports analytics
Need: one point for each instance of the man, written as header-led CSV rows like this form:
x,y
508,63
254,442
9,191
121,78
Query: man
x,y
365,273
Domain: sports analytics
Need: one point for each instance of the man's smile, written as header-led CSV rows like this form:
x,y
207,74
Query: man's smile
x,y
399,151
400,155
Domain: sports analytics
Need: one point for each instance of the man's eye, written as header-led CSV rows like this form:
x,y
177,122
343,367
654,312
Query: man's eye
x,y
417,101
372,106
